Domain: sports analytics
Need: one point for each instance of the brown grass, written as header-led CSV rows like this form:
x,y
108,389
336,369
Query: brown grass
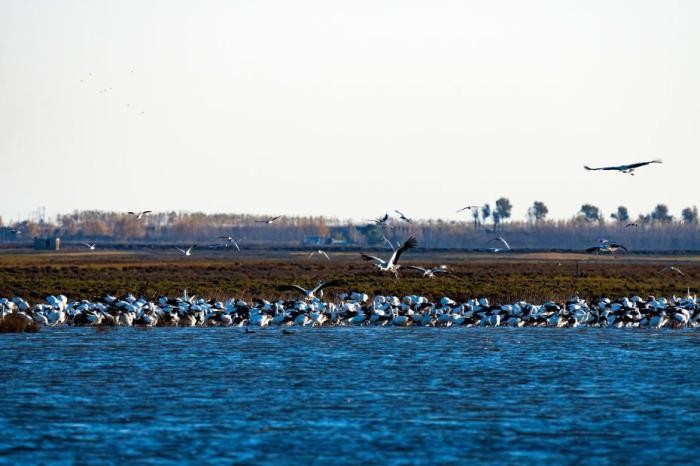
x,y
504,277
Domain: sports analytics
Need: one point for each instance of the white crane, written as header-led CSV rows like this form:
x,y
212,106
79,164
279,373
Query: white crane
x,y
311,294
430,272
392,265
469,207
629,168
672,269
139,215
502,240
230,242
188,251
90,246
320,252
403,217
269,220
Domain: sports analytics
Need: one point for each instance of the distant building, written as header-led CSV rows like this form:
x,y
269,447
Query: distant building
x,y
47,244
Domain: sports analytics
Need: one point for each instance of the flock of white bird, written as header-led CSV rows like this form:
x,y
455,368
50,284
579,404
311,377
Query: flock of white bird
x,y
355,309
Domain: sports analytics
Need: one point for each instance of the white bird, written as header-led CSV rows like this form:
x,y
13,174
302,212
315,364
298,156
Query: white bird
x,y
502,240
429,273
469,207
230,241
139,215
403,217
321,252
629,168
268,220
610,248
310,294
188,251
91,246
673,269
392,265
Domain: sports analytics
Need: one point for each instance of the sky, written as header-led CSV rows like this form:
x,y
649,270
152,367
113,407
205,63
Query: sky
x,y
347,109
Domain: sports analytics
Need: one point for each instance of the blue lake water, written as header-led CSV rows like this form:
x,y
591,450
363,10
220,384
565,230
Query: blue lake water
x,y
350,395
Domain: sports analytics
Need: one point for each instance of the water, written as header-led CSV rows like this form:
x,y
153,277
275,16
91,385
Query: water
x,y
349,396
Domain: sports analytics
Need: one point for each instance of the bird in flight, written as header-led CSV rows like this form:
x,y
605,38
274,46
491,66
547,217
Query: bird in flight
x,y
431,272
269,220
320,252
672,269
392,265
311,294
230,242
188,251
91,246
381,221
139,215
632,225
403,217
610,248
624,168
502,240
469,207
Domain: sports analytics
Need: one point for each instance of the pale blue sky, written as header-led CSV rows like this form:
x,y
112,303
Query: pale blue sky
x,y
347,109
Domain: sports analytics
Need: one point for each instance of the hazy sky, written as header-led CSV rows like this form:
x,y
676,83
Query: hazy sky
x,y
347,109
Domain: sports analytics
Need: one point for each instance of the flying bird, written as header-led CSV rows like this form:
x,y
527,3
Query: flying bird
x,y
139,215
188,251
320,252
505,243
469,207
429,273
610,248
624,168
403,217
392,265
673,269
268,220
634,225
91,246
310,294
381,221
230,242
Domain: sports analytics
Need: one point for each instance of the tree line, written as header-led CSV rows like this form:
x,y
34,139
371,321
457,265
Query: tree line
x,y
656,230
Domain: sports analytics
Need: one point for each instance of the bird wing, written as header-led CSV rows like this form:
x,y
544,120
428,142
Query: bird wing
x,y
236,244
274,218
502,240
389,243
441,270
367,257
324,253
293,287
677,270
415,267
181,250
618,246
641,164
311,254
131,213
86,244
604,168
410,243
400,214
146,212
